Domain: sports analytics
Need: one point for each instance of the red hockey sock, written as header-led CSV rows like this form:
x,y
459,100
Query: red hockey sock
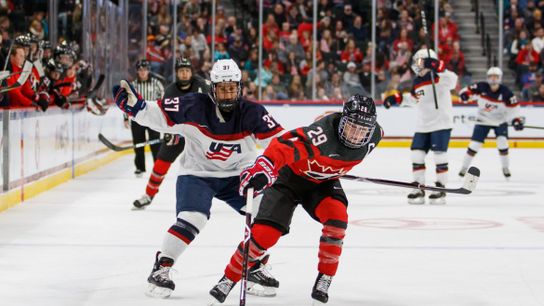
x,y
334,217
262,238
160,168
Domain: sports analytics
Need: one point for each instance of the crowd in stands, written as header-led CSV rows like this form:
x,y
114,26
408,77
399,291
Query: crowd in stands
x,y
524,44
34,71
343,52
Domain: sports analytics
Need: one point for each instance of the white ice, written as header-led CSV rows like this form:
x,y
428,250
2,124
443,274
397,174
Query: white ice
x,y
81,244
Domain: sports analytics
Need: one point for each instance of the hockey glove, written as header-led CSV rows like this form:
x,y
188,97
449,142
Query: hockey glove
x,y
260,176
433,64
171,139
128,100
392,100
60,100
518,124
42,100
465,97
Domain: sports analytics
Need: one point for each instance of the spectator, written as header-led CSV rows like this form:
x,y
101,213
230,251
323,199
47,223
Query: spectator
x,y
538,41
352,80
279,88
238,51
220,53
351,53
296,90
539,95
359,31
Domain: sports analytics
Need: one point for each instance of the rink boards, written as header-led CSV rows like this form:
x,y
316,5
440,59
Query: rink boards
x,y
41,150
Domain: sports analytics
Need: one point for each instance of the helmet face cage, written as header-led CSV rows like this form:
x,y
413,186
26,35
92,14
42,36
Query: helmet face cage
x,y
358,122
226,71
494,76
230,104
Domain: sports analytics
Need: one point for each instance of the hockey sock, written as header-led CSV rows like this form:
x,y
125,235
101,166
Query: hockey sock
x,y
472,150
334,217
502,145
160,168
182,233
262,238
418,165
441,161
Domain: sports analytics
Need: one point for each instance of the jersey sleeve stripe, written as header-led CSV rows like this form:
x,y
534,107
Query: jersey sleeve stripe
x,y
269,134
226,137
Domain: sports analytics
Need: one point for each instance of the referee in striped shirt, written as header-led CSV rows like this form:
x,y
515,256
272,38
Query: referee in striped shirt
x,y
151,89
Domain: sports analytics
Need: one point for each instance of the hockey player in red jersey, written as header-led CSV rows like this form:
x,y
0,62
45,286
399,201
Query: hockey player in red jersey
x,y
303,166
221,131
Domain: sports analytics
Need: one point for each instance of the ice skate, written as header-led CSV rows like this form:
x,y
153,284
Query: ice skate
x,y
139,173
321,288
259,281
462,172
506,173
416,197
438,197
221,290
160,285
142,202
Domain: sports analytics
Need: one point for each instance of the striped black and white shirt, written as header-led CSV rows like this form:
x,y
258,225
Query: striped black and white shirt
x,y
150,90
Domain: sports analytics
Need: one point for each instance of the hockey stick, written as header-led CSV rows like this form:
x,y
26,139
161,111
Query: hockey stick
x,y
472,120
91,93
471,179
532,127
428,43
117,148
247,236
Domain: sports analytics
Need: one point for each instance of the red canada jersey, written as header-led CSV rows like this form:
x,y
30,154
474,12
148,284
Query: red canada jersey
x,y
316,152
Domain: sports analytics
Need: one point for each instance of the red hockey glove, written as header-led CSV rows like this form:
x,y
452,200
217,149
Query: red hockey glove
x,y
392,100
260,176
433,64
518,124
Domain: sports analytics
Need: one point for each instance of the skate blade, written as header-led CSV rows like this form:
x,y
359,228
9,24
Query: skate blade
x,y
213,301
317,303
419,201
137,208
260,290
158,292
441,201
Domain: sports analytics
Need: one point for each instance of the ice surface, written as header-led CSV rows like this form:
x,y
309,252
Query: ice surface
x,y
81,244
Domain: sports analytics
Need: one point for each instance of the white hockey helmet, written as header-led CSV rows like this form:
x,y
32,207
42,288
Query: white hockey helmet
x,y
417,59
494,71
226,71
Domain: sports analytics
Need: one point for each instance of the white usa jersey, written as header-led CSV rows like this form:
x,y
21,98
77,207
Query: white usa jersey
x,y
214,146
428,118
494,107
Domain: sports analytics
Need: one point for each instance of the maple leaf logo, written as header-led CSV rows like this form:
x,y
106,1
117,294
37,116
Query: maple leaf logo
x,y
320,172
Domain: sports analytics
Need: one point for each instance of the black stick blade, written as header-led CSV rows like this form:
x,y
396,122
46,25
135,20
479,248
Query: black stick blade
x,y
471,180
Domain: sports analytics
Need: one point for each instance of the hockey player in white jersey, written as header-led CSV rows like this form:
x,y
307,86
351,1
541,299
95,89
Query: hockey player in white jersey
x,y
497,107
433,124
221,132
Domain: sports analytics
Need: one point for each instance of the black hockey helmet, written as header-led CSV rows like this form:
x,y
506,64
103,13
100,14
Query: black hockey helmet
x,y
45,44
358,121
64,55
183,62
52,65
22,40
143,63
